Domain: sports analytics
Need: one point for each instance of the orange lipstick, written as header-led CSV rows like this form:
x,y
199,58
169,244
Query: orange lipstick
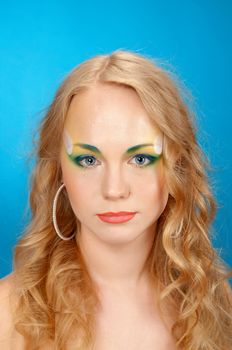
x,y
116,218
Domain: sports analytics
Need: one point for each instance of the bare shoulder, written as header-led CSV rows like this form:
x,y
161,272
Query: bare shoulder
x,y
8,335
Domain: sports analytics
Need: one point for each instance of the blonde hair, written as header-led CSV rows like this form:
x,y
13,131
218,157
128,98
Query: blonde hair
x,y
57,298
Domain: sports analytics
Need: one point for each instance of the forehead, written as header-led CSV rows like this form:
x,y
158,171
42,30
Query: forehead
x,y
109,112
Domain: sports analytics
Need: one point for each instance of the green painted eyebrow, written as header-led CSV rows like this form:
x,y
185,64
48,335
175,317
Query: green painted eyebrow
x,y
128,151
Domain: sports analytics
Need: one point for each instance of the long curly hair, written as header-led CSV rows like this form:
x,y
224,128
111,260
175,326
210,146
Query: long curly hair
x,y
57,300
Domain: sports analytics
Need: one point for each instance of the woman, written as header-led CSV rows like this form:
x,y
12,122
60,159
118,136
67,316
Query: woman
x,y
118,253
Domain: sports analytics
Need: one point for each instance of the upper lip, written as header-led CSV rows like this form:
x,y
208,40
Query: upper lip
x,y
119,213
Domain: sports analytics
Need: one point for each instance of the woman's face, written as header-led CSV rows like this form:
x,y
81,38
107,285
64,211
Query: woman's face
x,y
107,177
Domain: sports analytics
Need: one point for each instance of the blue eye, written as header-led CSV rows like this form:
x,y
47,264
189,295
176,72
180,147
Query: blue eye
x,y
85,161
143,158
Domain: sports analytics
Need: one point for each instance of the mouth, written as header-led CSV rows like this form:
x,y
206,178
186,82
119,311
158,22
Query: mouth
x,y
116,218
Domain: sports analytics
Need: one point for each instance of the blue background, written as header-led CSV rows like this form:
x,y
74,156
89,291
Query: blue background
x,y
40,42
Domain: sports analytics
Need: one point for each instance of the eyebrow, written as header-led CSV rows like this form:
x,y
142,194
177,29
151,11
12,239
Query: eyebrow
x,y
96,150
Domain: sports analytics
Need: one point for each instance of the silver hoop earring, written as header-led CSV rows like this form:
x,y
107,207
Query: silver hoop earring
x,y
54,216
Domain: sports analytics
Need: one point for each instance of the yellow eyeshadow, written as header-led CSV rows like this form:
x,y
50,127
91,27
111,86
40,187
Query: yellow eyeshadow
x,y
77,149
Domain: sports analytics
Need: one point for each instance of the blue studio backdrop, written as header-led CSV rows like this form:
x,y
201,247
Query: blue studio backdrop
x,y
42,41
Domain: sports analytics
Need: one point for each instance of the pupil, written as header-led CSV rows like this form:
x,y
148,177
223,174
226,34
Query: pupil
x,y
140,157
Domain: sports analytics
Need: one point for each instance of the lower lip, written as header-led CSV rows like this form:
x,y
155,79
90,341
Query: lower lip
x,y
116,219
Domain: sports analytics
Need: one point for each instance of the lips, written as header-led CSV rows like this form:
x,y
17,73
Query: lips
x,y
116,218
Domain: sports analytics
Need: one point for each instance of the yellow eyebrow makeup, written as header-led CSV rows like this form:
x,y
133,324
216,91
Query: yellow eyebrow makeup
x,y
157,145
155,148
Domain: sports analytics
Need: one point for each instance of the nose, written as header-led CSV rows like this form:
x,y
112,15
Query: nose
x,y
114,184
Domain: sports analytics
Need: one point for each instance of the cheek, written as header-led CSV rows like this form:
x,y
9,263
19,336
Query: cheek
x,y
154,188
161,194
79,190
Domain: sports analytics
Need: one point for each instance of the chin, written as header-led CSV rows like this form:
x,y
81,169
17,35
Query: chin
x,y
119,236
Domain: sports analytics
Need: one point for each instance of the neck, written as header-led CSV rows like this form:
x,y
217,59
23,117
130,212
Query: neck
x,y
117,265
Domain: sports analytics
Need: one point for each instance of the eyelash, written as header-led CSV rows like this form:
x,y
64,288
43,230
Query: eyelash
x,y
151,158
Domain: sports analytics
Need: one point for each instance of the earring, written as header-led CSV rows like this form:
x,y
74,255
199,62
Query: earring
x,y
54,216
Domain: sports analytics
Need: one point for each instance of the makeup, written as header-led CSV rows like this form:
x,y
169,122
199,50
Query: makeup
x,y
116,219
67,142
158,144
151,152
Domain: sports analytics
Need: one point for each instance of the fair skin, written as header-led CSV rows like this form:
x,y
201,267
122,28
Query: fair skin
x,y
113,184
113,119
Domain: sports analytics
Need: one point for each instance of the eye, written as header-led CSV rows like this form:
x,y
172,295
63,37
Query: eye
x,y
85,161
144,159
